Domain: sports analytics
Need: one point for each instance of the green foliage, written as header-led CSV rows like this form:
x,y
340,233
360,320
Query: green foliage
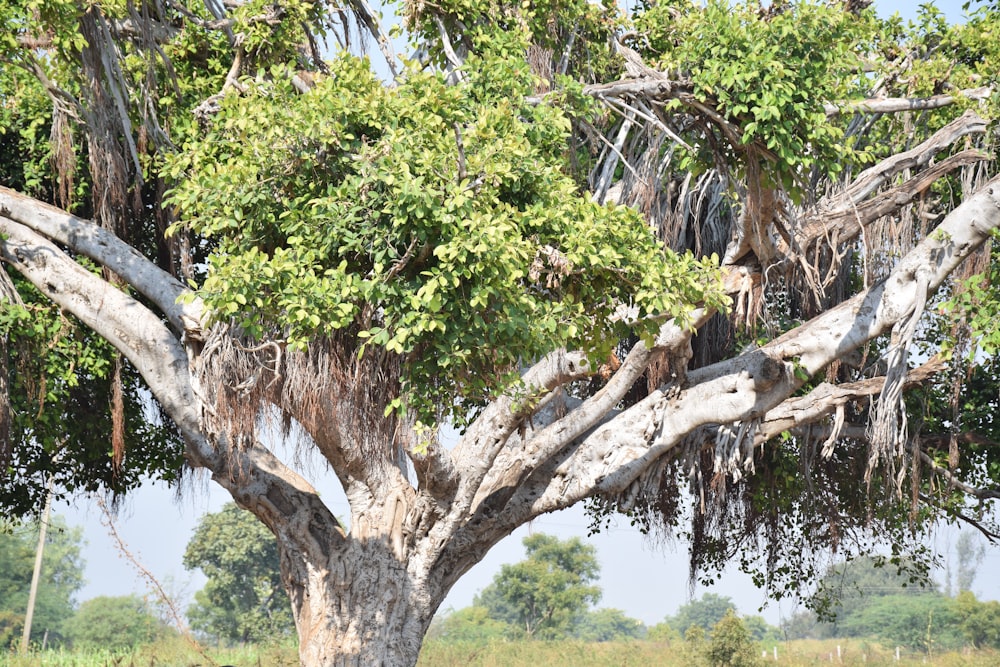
x,y
768,77
979,621
731,644
704,613
471,624
545,594
243,599
662,632
926,622
59,373
432,221
608,625
113,623
573,34
61,578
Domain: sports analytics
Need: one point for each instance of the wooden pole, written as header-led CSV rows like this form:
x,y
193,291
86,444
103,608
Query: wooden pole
x,y
37,572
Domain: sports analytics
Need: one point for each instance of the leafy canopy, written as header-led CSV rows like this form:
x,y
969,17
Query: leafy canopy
x,y
547,593
435,222
243,599
62,577
106,622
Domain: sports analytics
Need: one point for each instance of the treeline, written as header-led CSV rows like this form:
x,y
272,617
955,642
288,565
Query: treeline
x,y
550,595
901,606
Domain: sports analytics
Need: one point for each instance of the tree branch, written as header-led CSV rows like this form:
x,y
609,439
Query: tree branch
x,y
105,248
883,105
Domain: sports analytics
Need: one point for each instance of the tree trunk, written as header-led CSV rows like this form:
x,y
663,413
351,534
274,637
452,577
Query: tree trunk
x,y
349,615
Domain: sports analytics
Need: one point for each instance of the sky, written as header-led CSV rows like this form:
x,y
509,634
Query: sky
x,y
645,580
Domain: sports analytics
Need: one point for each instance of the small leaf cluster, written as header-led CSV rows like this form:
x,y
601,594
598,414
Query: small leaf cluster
x,y
768,77
435,221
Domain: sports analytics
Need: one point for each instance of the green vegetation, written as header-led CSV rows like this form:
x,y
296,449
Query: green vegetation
x,y
563,653
544,595
62,577
243,600
113,624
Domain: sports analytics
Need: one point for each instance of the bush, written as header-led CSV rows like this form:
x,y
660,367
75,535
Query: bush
x,y
113,623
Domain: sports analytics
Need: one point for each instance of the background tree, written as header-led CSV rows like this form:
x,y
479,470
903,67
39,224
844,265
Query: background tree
x,y
546,594
608,625
104,622
61,578
731,644
969,553
243,600
979,621
471,624
521,234
704,612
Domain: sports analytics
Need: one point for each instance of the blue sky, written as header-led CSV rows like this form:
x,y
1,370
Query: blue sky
x,y
644,580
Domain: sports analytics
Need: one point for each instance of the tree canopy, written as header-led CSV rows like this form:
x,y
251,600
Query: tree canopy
x,y
548,593
723,267
243,599
61,578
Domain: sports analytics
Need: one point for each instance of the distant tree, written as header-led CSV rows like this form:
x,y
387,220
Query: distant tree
x,y
979,621
694,648
243,599
663,632
760,629
61,578
970,552
606,625
926,622
704,613
471,624
113,622
851,585
731,644
547,592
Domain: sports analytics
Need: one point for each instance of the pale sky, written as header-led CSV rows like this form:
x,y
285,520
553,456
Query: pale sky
x,y
646,581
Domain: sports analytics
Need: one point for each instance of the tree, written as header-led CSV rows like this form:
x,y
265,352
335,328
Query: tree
x,y
243,599
546,594
471,624
731,645
61,578
113,623
979,621
207,225
608,625
705,612
926,622
969,553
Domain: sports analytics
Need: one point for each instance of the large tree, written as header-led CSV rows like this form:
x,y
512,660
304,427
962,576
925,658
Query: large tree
x,y
624,255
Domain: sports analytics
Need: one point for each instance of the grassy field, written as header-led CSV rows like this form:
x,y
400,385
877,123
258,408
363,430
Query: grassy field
x,y
514,654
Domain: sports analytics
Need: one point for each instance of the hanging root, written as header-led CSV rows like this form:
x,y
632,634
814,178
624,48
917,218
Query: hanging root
x,y
888,427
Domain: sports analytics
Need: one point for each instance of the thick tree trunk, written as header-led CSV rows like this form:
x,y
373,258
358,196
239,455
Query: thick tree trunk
x,y
350,615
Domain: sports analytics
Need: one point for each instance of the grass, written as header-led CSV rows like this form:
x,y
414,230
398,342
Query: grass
x,y
805,653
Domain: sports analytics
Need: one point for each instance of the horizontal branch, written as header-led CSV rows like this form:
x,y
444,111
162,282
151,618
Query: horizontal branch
x,y
91,240
885,105
826,398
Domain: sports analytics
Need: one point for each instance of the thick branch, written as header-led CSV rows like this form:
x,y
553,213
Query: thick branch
x,y
827,398
255,478
108,250
114,315
900,104
478,447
